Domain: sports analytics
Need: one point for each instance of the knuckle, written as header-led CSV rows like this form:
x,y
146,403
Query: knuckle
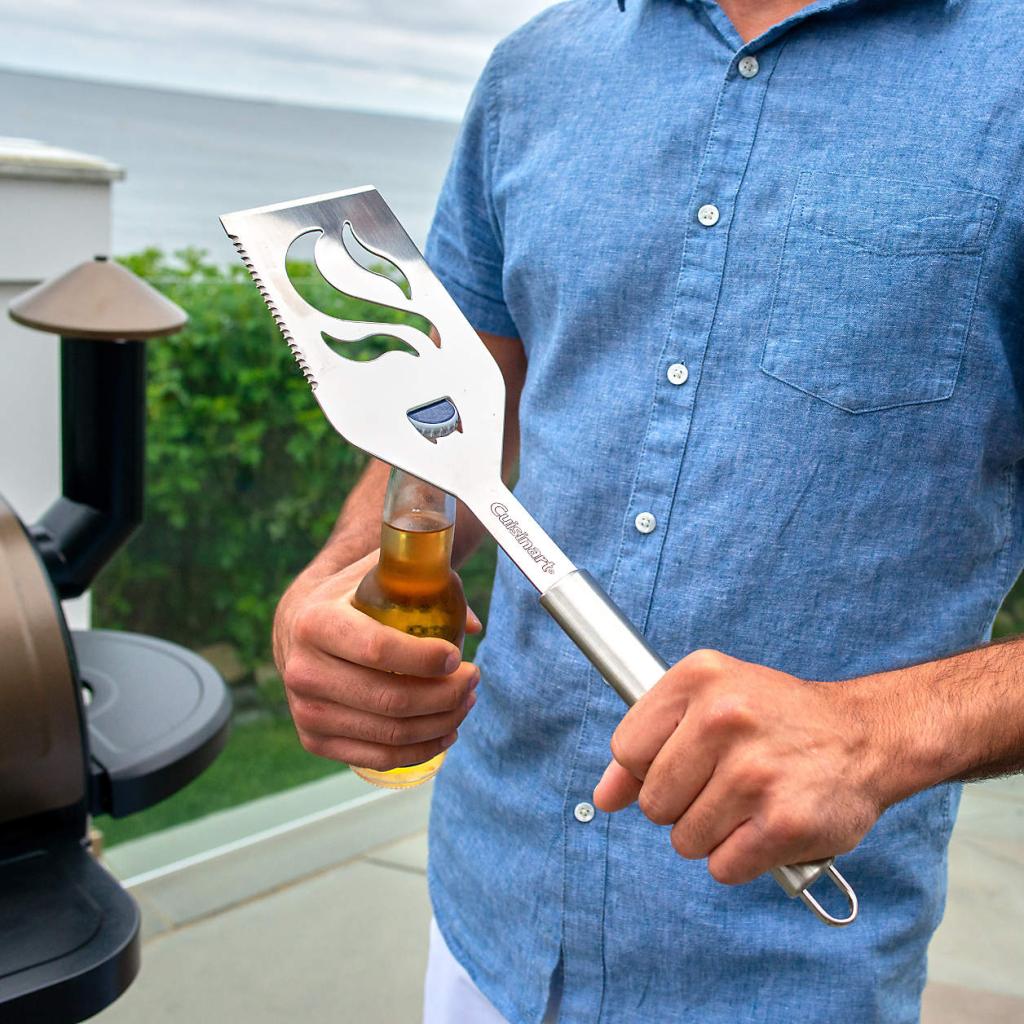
x,y
653,807
729,713
371,648
618,747
303,714
685,844
753,778
306,625
392,733
623,753
392,702
313,744
725,871
297,672
705,662
453,699
292,679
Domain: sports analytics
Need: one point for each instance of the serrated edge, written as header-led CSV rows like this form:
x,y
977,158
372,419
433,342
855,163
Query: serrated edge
x,y
278,319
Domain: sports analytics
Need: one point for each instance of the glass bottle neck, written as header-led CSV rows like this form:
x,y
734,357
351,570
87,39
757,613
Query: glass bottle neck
x,y
418,525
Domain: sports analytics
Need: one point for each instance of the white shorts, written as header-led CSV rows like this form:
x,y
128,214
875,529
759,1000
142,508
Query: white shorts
x,y
451,997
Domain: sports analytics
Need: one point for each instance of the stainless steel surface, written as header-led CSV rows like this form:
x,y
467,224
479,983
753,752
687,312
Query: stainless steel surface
x,y
608,639
614,647
798,879
368,403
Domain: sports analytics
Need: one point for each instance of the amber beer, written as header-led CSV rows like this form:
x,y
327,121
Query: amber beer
x,y
413,586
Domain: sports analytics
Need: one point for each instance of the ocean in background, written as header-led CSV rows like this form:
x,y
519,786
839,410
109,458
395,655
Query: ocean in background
x,y
390,56
189,157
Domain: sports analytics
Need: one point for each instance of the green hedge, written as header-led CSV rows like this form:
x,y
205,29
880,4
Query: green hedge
x,y
244,474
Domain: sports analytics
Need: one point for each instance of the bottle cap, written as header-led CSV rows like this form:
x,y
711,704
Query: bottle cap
x,y
438,419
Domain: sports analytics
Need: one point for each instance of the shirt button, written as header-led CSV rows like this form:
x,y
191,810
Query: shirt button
x,y
645,522
584,812
678,373
708,215
748,67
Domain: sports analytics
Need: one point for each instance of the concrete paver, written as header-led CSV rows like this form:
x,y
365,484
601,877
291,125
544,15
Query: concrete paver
x,y
349,944
951,1004
408,853
346,947
980,944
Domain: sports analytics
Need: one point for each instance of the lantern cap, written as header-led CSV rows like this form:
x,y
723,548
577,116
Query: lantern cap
x,y
98,299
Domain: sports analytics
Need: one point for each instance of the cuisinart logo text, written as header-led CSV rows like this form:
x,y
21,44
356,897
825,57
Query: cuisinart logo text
x,y
512,525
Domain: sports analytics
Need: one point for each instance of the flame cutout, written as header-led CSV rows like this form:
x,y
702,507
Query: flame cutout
x,y
368,400
375,262
390,325
371,347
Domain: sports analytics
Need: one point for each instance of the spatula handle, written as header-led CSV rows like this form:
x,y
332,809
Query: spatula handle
x,y
615,648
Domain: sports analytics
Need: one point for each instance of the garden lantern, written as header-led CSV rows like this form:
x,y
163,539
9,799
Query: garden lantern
x,y
103,313
91,721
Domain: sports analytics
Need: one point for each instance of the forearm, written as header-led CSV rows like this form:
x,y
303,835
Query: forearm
x,y
958,718
357,528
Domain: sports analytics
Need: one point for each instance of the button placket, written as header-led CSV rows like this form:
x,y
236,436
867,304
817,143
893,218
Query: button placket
x,y
658,471
702,266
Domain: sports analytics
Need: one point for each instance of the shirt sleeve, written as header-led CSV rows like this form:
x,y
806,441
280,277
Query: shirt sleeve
x,y
464,247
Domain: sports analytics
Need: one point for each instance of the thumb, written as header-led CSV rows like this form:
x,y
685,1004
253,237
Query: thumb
x,y
473,623
617,788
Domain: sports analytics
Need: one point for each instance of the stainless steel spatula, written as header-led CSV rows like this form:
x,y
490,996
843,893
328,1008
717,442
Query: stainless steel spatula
x,y
369,404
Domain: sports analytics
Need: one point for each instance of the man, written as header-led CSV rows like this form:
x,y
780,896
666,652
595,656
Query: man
x,y
763,263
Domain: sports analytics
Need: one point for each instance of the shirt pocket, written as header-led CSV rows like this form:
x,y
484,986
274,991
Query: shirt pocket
x,y
875,290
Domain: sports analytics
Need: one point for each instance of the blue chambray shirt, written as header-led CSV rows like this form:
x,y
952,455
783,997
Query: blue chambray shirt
x,y
835,486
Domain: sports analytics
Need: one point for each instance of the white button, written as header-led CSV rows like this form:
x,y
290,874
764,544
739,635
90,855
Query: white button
x,y
708,215
645,522
748,67
584,812
678,373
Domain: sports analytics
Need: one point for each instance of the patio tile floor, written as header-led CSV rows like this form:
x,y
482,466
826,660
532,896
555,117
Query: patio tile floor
x,y
347,943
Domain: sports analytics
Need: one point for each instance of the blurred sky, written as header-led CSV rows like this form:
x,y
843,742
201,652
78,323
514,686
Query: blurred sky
x,y
403,56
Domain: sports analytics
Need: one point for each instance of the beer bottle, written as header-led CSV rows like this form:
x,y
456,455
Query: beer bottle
x,y
413,586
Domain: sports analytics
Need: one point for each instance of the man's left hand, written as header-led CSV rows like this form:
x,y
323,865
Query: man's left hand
x,y
752,768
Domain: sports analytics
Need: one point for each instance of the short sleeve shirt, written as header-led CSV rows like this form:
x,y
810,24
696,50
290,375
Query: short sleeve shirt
x,y
772,299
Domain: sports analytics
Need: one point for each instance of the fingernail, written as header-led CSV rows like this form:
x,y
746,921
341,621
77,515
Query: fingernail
x,y
475,681
470,700
449,740
453,662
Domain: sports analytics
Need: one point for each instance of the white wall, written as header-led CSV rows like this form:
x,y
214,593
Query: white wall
x,y
54,213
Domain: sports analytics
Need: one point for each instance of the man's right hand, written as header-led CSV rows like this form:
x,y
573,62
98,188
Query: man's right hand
x,y
359,691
